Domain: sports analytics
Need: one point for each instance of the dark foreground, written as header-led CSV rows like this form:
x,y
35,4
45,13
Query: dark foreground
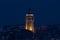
x,y
15,33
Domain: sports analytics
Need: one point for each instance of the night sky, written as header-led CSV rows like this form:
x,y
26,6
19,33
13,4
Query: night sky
x,y
45,11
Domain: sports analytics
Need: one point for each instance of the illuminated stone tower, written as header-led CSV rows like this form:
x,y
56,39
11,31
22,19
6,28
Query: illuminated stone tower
x,y
30,21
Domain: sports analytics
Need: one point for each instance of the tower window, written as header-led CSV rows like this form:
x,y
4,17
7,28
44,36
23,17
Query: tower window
x,y
30,18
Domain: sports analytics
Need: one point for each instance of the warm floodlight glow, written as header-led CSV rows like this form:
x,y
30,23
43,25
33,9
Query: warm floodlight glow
x,y
26,28
31,29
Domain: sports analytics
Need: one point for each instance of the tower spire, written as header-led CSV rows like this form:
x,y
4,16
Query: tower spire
x,y
29,11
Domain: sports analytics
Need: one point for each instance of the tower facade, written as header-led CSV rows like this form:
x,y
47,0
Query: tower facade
x,y
30,21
